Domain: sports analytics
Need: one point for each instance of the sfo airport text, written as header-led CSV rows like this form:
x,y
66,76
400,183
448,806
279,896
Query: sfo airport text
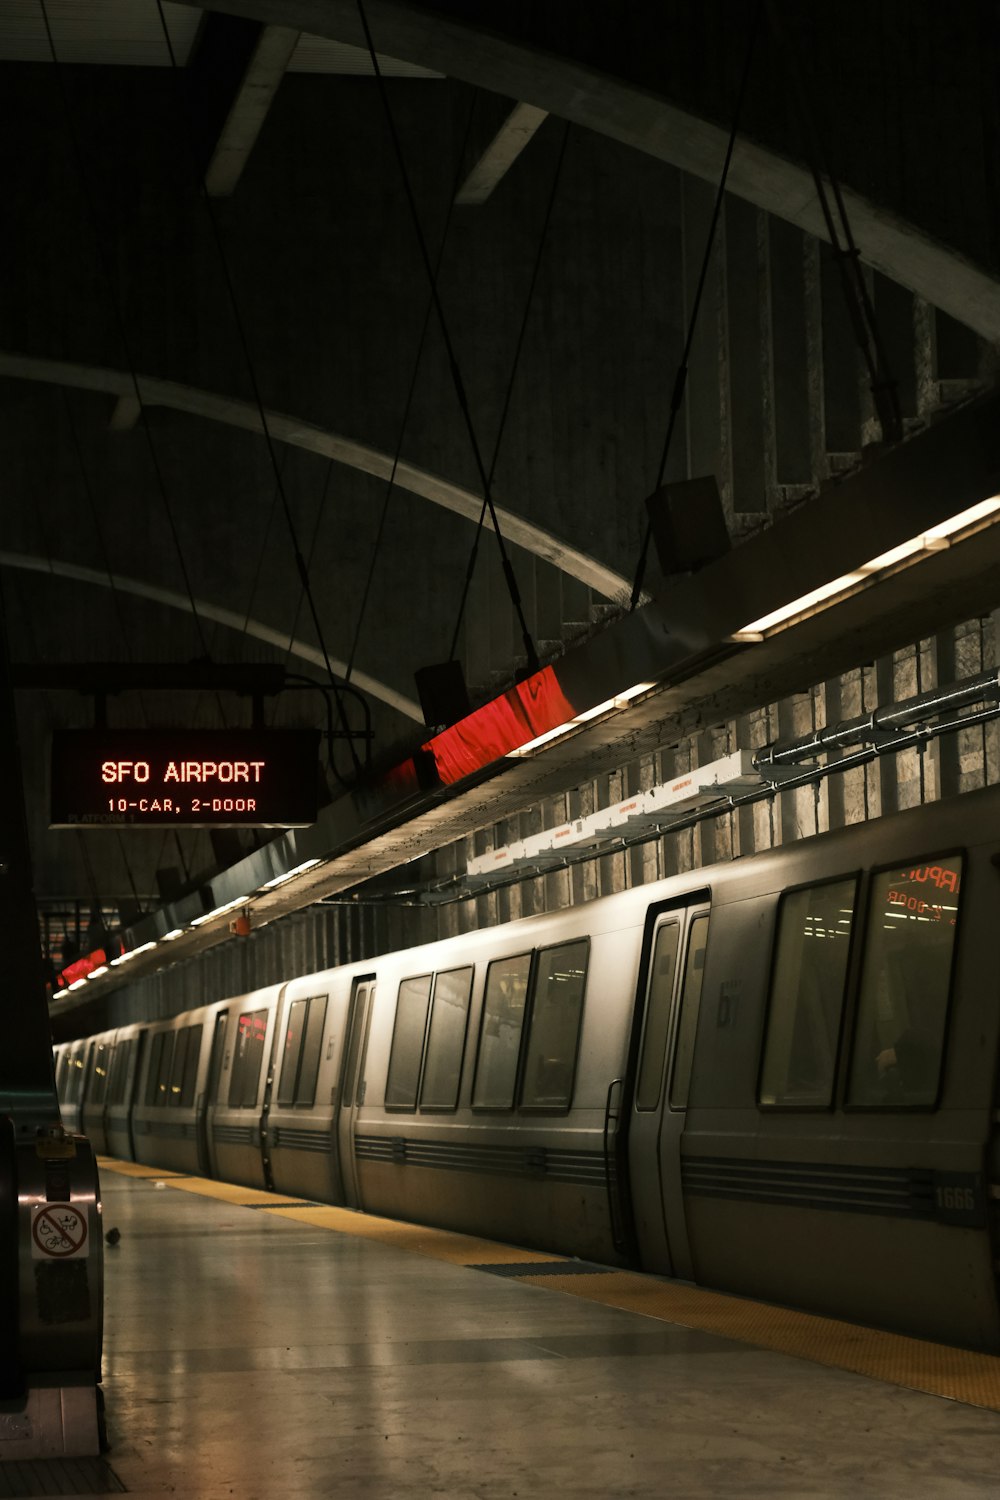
x,y
226,772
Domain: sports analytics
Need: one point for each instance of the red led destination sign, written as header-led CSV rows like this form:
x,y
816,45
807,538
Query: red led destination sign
x,y
114,778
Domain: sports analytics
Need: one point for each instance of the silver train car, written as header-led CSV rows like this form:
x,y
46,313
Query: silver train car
x,y
776,1077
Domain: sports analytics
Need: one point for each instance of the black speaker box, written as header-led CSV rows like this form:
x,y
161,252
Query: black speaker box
x,y
443,695
689,525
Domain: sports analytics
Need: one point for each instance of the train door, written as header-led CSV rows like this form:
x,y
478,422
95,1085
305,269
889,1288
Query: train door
x,y
132,1088
272,1065
209,1100
659,1105
352,1085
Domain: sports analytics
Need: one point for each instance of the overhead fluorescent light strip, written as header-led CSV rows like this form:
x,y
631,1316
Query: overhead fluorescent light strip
x,y
608,706
123,958
934,539
307,864
218,910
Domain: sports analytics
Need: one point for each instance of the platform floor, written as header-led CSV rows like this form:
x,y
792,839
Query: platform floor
x,y
260,1350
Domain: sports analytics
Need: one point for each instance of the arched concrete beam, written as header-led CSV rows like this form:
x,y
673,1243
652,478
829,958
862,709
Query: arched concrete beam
x,y
640,119
302,434
27,562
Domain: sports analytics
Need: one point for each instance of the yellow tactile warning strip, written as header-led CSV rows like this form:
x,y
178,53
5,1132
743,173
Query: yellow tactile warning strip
x,y
917,1364
439,1244
134,1169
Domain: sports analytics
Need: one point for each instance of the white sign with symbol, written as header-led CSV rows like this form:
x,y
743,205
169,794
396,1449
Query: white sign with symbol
x,y
58,1232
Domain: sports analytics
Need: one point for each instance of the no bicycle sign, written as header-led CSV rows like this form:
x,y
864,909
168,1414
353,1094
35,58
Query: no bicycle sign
x,y
58,1232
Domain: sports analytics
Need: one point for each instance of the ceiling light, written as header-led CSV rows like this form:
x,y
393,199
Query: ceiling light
x,y
218,910
608,706
308,864
934,539
168,937
123,958
94,972
78,984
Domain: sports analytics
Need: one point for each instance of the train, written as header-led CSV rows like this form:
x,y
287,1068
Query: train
x,y
776,1077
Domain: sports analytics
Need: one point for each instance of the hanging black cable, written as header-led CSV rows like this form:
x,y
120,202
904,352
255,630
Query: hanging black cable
x,y
680,381
508,393
456,374
112,287
227,277
860,309
309,560
261,557
411,392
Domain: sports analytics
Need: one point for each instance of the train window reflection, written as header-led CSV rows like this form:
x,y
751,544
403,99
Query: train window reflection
x,y
687,1024
153,1072
305,1088
446,1040
905,982
554,1031
251,1031
180,1059
166,1064
190,1075
807,995
294,1032
654,1037
407,1043
500,1032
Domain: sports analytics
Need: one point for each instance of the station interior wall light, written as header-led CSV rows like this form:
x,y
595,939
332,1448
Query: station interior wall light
x,y
123,958
308,864
598,711
216,911
934,539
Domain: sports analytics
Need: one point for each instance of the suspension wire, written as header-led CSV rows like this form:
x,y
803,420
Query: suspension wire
x,y
860,308
263,551
456,374
244,340
508,393
680,381
309,560
411,392
111,283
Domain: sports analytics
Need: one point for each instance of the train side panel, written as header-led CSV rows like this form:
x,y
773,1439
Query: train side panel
x,y
871,1202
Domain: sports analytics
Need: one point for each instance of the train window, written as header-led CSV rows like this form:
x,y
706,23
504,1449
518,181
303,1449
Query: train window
x,y
99,1074
312,1049
807,995
500,1032
446,1039
294,1032
687,1024
74,1083
190,1077
303,1043
217,1057
114,1072
153,1071
407,1043
905,982
177,1071
654,1040
119,1071
166,1068
554,1029
251,1031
